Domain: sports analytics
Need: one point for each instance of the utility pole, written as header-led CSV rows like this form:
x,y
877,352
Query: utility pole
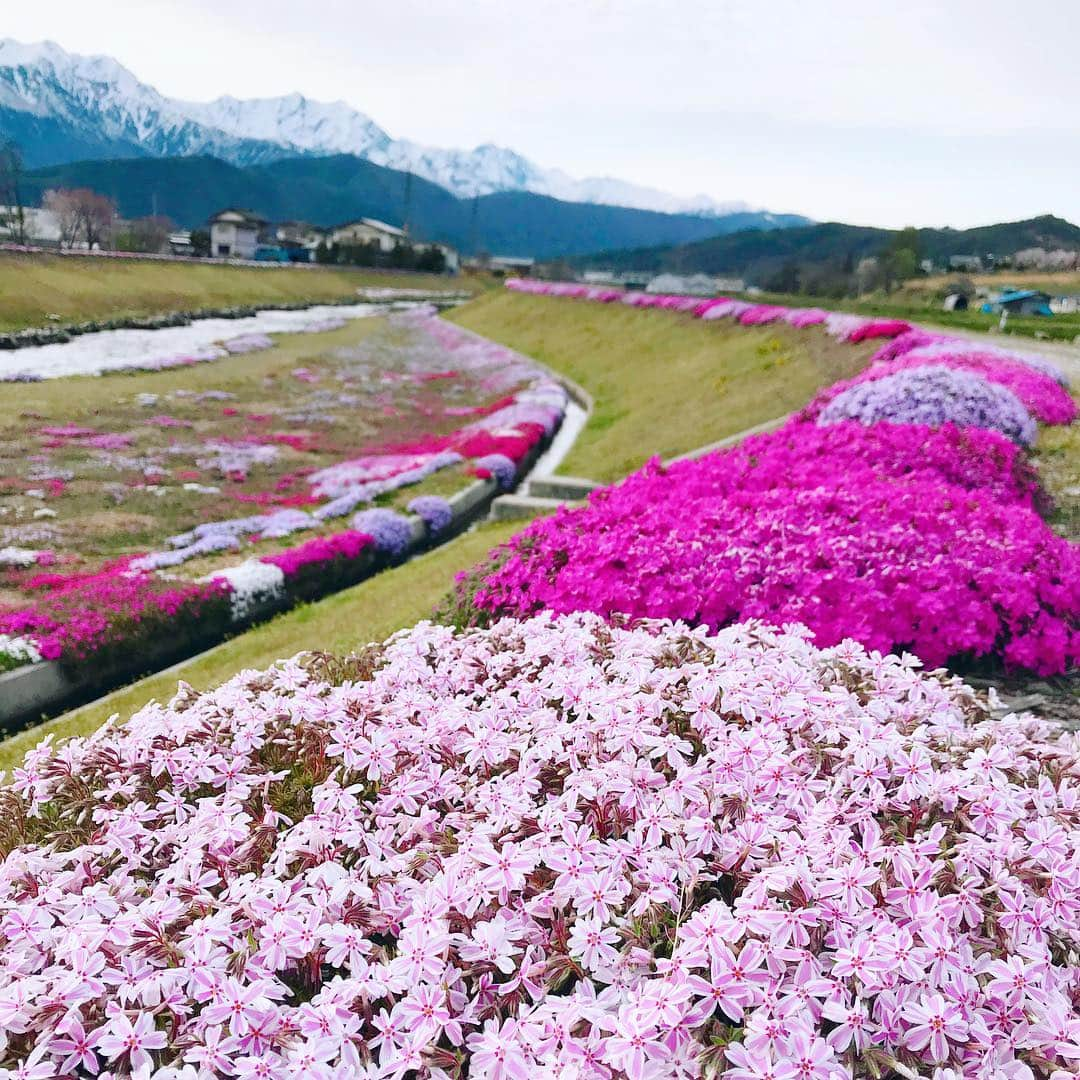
x,y
474,226
408,203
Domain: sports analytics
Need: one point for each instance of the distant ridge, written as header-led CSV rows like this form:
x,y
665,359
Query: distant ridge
x,y
759,254
331,190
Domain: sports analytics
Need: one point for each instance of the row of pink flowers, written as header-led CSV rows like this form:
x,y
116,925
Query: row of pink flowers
x,y
899,536
853,328
904,337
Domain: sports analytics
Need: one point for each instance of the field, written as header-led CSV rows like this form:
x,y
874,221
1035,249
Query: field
x,y
750,376
36,290
662,385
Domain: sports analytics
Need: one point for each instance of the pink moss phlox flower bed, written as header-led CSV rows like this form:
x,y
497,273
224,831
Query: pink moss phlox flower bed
x,y
899,537
320,549
550,849
71,616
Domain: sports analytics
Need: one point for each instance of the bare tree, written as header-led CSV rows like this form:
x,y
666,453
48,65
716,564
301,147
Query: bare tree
x,y
12,212
99,216
81,212
60,202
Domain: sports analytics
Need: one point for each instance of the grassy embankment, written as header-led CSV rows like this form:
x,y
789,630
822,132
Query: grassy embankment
x,y
662,384
75,289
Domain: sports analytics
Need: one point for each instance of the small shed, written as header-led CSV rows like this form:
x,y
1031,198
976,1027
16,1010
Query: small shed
x,y
1024,302
234,233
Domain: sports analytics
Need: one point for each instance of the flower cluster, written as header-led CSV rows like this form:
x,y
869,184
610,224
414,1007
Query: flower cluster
x,y
17,651
320,550
391,532
252,586
549,849
1044,397
933,395
17,556
497,467
435,512
900,536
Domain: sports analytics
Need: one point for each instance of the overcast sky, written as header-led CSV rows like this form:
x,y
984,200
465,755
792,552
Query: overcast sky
x,y
922,112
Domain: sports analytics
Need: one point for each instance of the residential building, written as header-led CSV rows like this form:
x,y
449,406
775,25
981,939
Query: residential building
x,y
180,243
971,263
234,233
691,285
511,264
368,231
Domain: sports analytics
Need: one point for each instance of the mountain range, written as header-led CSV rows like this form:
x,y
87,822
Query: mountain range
x,y
62,107
333,189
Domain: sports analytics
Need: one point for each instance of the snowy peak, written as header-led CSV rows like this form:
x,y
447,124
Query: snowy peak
x,y
93,104
295,122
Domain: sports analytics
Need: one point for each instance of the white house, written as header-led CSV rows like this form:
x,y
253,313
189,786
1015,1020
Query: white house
x,y
366,231
694,285
39,226
234,234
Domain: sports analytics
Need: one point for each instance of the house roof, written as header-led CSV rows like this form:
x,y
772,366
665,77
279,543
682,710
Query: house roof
x,y
373,223
247,216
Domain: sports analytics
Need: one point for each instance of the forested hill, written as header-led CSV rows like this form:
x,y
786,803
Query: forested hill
x,y
760,254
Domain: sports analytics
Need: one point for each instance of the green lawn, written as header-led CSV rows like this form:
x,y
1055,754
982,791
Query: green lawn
x,y
33,287
370,611
1058,458
662,383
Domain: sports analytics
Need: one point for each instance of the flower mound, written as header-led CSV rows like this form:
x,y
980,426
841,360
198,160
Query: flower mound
x,y
934,395
392,532
902,539
550,849
1045,398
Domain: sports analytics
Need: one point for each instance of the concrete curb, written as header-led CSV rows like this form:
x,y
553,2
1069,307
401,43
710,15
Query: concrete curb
x,y
732,440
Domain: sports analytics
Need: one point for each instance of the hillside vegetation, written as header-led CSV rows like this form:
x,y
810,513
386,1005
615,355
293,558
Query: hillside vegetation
x,y
662,383
35,287
331,190
760,254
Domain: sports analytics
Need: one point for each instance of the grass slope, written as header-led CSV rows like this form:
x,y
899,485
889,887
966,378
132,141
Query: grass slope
x,y
370,611
32,287
662,383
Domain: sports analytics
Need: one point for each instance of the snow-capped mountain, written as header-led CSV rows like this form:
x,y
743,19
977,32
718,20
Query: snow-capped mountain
x,y
61,107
